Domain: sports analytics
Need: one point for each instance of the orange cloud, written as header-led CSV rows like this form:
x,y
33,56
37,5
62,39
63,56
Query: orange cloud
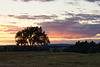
x,y
10,29
7,34
58,34
7,42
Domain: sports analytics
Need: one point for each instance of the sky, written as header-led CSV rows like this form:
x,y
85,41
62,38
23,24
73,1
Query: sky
x,y
64,21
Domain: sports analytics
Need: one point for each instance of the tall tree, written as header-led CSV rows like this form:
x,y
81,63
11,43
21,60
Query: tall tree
x,y
32,36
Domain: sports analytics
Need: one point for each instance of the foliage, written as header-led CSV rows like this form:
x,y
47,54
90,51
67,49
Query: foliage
x,y
84,47
31,36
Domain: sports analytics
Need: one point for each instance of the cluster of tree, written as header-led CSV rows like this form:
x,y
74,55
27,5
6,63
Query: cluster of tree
x,y
22,48
28,48
80,47
31,36
84,47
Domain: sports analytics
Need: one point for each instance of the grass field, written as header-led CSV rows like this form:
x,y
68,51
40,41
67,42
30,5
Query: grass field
x,y
48,59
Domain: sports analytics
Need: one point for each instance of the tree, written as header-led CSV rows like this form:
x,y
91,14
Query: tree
x,y
20,38
32,36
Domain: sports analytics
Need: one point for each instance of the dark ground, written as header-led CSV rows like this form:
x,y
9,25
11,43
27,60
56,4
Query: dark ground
x,y
48,59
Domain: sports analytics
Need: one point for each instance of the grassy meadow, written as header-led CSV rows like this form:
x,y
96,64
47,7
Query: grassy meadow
x,y
48,59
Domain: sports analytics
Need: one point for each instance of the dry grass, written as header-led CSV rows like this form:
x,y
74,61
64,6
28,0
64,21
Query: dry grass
x,y
48,59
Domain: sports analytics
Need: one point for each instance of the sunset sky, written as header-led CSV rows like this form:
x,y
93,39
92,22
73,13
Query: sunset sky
x,y
65,21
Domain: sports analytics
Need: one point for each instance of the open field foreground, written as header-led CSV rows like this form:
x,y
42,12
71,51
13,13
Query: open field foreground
x,y
48,59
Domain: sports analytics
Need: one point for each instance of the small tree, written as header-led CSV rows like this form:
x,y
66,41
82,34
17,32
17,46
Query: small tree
x,y
32,36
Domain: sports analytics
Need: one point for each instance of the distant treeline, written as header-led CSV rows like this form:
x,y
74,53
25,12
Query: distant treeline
x,y
84,47
79,47
21,48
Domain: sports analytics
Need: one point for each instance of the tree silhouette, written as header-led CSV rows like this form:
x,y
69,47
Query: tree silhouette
x,y
84,47
31,36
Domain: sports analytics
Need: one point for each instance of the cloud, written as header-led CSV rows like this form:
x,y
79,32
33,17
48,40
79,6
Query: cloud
x,y
92,0
95,11
10,29
77,2
83,16
71,28
45,17
74,3
34,0
7,34
8,41
91,16
61,30
34,17
22,17
13,22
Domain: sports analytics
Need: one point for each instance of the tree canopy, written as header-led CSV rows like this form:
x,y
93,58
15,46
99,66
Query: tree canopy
x,y
84,47
31,36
